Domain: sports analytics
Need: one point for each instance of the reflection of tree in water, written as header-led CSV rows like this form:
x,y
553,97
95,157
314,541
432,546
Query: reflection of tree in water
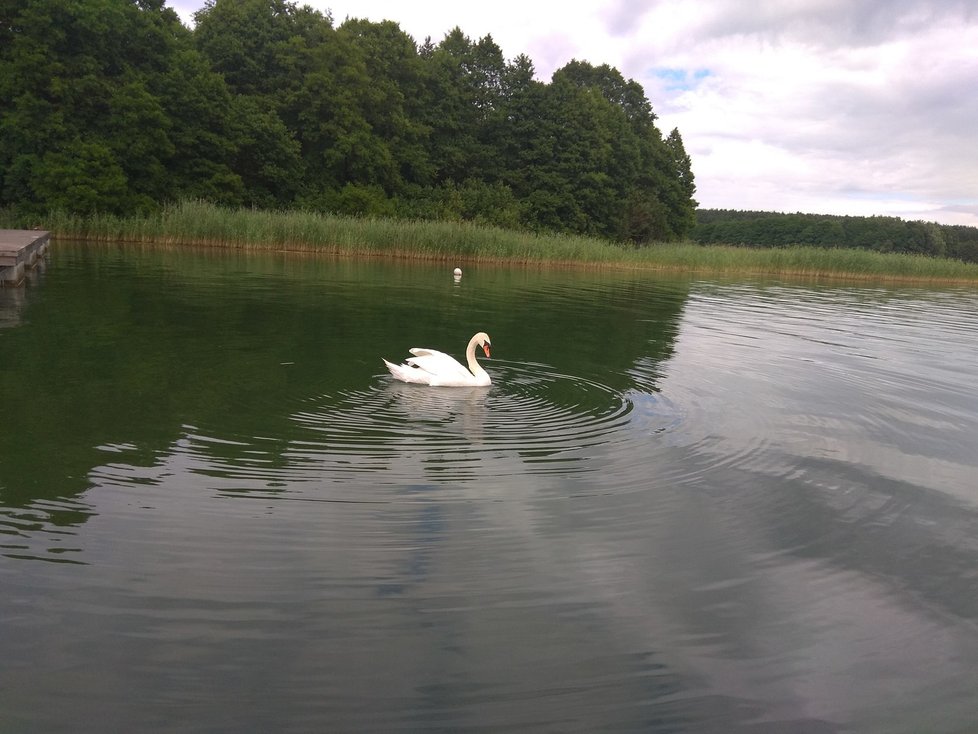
x,y
598,330
13,301
131,347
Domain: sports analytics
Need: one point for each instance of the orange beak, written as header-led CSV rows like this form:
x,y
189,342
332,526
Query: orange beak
x,y
485,348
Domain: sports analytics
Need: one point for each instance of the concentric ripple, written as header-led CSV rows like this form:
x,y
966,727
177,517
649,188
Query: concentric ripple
x,y
532,420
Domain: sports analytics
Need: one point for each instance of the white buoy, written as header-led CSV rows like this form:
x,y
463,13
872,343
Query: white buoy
x,y
458,272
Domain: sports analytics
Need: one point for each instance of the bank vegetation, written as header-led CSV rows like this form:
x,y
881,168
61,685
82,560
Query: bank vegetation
x,y
202,224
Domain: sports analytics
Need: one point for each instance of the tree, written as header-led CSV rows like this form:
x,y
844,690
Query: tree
x,y
266,156
87,91
681,186
258,45
81,176
627,95
202,130
464,90
392,99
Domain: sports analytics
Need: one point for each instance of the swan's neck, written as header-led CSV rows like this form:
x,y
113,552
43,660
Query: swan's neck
x,y
474,367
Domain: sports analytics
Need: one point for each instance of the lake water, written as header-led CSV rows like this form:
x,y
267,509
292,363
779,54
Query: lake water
x,y
684,505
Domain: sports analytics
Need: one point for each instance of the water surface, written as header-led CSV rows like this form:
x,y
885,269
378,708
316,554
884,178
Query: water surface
x,y
682,506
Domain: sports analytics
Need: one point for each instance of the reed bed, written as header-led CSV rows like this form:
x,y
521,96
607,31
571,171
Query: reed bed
x,y
203,224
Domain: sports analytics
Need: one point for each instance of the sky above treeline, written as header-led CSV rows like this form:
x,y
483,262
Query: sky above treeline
x,y
859,107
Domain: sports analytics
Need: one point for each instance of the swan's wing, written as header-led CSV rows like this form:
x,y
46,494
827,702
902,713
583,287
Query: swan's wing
x,y
438,364
407,373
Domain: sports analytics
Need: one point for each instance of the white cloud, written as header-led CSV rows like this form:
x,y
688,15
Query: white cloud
x,y
786,105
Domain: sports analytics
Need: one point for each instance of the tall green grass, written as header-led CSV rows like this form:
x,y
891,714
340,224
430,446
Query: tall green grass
x,y
199,223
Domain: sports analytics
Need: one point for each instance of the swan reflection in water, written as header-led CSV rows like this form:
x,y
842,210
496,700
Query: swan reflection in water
x,y
443,435
439,414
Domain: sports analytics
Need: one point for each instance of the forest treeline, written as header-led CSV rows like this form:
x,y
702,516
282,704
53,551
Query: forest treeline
x,y
114,106
882,234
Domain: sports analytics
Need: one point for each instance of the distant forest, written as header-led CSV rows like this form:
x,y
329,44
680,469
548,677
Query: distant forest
x,y
883,234
115,106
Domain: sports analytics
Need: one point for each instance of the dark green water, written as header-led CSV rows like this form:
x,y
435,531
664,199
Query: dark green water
x,y
682,506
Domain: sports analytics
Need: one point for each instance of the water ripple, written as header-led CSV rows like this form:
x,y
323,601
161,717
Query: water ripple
x,y
533,420
42,531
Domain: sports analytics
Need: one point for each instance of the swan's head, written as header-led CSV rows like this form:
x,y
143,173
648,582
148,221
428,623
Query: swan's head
x,y
482,339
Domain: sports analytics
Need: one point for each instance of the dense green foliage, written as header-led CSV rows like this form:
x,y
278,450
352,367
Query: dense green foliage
x,y
881,234
114,106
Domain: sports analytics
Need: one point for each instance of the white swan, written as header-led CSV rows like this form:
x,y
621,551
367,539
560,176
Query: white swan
x,y
431,367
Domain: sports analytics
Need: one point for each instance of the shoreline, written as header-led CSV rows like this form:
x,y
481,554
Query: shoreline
x,y
743,270
201,225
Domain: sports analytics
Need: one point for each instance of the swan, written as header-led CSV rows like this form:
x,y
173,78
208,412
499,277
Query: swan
x,y
431,367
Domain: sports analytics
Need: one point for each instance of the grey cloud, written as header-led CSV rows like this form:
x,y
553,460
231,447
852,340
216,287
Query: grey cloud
x,y
622,15
831,24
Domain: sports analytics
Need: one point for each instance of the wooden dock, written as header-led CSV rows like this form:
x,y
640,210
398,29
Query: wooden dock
x,y
20,249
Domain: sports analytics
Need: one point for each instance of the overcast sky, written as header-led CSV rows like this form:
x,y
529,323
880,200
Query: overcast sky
x,y
856,107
